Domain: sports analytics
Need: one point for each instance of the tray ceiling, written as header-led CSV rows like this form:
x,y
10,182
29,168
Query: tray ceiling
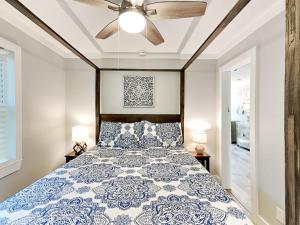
x,y
78,24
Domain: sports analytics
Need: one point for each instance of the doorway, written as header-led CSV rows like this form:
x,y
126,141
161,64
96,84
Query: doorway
x,y
237,130
240,148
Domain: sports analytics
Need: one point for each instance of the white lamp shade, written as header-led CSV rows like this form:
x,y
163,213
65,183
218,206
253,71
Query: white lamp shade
x,y
132,22
80,134
199,137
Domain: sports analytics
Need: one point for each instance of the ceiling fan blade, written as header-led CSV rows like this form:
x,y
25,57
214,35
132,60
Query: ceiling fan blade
x,y
177,9
108,30
152,34
101,3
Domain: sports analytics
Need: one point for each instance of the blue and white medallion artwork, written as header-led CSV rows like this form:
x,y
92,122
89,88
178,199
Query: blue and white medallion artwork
x,y
120,135
161,135
129,136
204,186
163,172
131,161
122,220
108,133
180,210
113,186
67,211
127,140
110,153
138,91
81,161
169,188
126,192
237,213
95,173
182,159
156,152
41,192
169,133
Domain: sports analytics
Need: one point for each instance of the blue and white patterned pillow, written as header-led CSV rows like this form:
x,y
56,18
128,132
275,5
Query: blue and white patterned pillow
x,y
161,135
120,135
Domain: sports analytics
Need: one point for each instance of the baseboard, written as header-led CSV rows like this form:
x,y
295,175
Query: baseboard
x,y
261,221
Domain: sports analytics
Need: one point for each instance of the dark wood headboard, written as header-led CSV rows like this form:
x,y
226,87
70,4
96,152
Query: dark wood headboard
x,y
130,118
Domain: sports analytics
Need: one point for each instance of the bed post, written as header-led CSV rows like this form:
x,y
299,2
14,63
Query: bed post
x,y
182,80
97,104
292,113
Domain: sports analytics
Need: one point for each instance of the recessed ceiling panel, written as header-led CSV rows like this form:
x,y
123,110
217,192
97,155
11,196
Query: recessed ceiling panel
x,y
215,13
53,14
244,24
96,18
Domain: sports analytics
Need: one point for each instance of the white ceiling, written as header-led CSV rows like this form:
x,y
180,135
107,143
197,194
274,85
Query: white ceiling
x,y
79,23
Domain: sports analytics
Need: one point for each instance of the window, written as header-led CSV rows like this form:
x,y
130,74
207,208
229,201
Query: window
x,y
10,108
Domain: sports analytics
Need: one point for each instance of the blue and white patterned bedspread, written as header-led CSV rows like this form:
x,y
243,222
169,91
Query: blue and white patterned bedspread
x,y
121,187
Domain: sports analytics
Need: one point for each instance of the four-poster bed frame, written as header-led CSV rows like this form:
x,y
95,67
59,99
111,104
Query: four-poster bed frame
x,y
292,92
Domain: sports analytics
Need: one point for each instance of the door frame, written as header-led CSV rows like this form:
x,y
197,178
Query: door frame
x,y
224,129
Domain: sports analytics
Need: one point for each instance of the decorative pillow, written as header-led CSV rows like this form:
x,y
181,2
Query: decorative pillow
x,y
161,135
120,135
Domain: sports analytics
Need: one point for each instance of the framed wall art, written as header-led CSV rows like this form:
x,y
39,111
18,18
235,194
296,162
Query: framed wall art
x,y
138,91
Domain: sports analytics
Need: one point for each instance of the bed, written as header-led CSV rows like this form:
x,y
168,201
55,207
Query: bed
x,y
125,186
139,173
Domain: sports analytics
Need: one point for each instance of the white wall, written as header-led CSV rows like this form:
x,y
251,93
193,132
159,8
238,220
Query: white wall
x,y
43,93
270,43
80,101
166,93
200,103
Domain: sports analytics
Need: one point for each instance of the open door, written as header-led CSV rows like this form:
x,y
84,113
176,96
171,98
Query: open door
x,y
225,139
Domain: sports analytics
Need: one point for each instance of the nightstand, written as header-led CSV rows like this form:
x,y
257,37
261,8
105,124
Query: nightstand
x,y
203,159
70,156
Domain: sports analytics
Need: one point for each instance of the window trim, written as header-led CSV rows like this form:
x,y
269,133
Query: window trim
x,y
11,166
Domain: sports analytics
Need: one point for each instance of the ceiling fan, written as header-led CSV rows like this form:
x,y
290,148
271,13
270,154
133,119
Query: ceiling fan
x,y
135,16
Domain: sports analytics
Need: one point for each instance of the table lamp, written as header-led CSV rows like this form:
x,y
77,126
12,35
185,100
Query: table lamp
x,y
80,135
200,138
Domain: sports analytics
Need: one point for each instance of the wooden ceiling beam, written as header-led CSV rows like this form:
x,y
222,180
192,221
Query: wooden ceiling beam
x,y
30,15
238,7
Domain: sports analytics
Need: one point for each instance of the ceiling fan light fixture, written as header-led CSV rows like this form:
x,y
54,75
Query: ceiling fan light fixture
x,y
132,21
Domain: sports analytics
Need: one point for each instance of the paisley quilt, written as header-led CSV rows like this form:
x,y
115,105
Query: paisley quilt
x,y
121,187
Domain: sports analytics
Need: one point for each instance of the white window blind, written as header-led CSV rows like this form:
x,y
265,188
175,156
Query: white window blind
x,y
3,109
10,108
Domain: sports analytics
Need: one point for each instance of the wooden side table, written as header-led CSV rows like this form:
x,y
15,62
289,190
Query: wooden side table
x,y
70,156
203,159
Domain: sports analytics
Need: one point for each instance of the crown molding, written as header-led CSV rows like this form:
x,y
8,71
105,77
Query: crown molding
x,y
132,55
17,20
67,9
277,8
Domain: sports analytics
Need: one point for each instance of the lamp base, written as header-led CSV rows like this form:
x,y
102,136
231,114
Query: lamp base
x,y
199,149
79,147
